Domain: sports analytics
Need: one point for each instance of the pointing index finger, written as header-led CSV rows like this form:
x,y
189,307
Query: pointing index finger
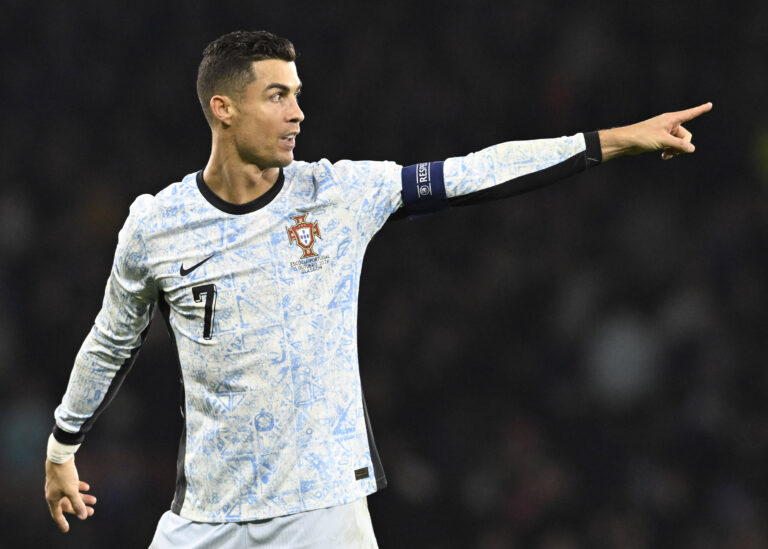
x,y
690,114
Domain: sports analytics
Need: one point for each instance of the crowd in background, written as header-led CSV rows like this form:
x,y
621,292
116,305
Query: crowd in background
x,y
578,367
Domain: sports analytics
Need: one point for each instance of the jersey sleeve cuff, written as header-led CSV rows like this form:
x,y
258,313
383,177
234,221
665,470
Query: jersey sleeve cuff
x,y
594,152
65,437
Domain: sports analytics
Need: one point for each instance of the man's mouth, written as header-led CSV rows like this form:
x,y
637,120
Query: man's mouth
x,y
289,139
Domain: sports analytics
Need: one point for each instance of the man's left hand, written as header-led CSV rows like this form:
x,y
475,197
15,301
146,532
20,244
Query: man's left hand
x,y
664,132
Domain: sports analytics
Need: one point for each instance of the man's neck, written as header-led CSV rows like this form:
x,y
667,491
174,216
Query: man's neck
x,y
236,182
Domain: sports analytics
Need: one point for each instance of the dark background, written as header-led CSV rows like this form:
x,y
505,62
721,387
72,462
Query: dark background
x,y
578,367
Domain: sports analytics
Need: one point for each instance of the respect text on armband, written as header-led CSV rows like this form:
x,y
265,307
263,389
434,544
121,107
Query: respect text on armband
x,y
423,179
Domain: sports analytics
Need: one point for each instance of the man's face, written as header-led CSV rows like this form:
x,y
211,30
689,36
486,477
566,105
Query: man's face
x,y
267,117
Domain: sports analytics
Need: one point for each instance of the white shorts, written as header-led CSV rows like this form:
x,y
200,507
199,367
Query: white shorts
x,y
342,527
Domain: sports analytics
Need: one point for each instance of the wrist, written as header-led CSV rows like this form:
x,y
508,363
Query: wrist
x,y
615,142
60,453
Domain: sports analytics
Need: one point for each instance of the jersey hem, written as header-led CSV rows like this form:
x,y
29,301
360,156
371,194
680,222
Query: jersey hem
x,y
197,518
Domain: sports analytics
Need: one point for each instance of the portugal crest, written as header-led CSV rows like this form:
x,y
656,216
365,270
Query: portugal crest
x,y
303,233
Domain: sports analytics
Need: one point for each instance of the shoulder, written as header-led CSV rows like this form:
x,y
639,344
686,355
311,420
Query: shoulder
x,y
142,212
176,193
367,169
344,171
300,170
143,206
148,212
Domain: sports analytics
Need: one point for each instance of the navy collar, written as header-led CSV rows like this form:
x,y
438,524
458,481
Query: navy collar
x,y
239,209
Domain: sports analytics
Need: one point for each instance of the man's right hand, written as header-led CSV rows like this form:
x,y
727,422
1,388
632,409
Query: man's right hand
x,y
65,493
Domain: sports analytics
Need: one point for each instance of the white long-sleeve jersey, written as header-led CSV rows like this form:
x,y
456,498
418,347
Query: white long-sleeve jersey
x,y
260,300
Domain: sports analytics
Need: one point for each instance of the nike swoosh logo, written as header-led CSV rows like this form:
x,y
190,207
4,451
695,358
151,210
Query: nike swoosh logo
x,y
185,272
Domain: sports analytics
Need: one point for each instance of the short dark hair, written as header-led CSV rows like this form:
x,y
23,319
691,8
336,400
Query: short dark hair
x,y
226,67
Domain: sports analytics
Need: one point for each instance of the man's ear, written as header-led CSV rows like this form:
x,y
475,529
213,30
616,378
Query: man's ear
x,y
222,109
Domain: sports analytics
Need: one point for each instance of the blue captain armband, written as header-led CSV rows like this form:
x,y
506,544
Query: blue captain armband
x,y
424,189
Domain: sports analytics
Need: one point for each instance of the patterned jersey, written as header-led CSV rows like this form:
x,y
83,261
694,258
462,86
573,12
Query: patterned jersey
x,y
260,300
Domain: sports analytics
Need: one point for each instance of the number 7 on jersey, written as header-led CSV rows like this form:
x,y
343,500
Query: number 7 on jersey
x,y
209,291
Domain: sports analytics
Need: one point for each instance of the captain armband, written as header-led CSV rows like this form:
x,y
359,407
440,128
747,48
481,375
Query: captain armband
x,y
424,189
58,452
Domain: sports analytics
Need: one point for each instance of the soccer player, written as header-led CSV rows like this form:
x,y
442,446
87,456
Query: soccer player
x,y
254,263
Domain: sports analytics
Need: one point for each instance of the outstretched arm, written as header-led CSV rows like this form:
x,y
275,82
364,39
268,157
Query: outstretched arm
x,y
664,132
515,167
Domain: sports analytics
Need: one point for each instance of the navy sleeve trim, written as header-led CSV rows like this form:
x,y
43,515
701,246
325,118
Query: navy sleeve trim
x,y
180,492
378,469
588,158
594,149
65,437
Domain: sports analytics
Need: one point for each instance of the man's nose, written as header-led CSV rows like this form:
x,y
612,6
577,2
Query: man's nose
x,y
296,114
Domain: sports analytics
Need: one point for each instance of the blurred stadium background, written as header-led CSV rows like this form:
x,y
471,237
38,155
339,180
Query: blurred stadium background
x,y
581,367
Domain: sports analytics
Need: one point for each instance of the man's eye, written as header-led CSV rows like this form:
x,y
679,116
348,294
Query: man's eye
x,y
277,97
